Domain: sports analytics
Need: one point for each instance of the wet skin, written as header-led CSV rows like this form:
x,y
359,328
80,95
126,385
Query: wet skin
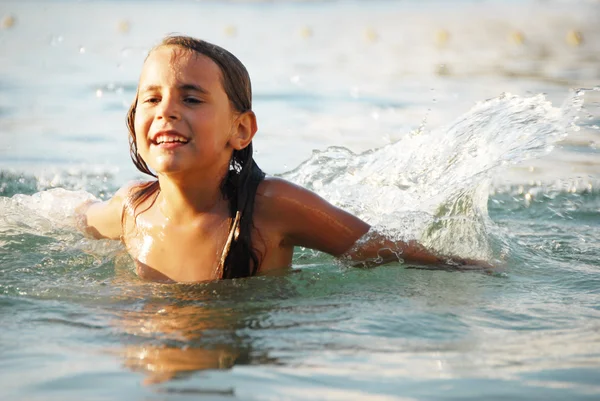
x,y
186,131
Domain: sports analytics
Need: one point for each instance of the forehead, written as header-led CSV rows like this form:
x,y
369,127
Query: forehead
x,y
178,65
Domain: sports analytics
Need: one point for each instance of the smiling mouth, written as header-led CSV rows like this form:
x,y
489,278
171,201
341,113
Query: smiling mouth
x,y
169,139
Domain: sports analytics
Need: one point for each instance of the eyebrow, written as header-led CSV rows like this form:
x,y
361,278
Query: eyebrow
x,y
182,87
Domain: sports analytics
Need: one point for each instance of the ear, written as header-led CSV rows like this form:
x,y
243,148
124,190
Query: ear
x,y
243,129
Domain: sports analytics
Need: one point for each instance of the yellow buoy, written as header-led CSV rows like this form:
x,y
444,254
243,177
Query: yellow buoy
x,y
442,37
8,22
123,26
231,31
306,32
517,37
574,38
371,35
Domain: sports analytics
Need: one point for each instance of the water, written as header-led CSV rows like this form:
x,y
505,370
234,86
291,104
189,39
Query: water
x,y
454,124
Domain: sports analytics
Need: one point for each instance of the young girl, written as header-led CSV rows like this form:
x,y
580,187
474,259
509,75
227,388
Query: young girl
x,y
211,213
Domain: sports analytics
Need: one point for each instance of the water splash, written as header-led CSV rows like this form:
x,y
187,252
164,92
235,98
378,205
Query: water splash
x,y
433,186
43,252
43,213
430,186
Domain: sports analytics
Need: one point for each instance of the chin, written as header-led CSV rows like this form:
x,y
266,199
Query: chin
x,y
167,167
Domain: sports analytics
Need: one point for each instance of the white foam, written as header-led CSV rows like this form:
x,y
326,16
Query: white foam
x,y
42,213
432,186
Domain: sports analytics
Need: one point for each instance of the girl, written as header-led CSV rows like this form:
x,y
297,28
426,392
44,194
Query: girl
x,y
211,213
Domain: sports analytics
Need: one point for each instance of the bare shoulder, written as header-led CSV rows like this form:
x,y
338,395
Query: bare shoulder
x,y
103,219
272,204
128,187
303,218
280,199
127,190
122,198
275,190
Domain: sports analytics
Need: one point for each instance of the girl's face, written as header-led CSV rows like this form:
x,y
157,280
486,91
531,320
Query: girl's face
x,y
183,119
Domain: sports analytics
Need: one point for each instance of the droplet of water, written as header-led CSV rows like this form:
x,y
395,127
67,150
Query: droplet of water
x,y
596,88
81,50
99,93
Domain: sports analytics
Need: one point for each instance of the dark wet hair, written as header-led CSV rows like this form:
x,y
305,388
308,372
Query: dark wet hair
x,y
241,182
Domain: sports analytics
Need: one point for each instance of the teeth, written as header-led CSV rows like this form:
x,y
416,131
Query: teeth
x,y
161,140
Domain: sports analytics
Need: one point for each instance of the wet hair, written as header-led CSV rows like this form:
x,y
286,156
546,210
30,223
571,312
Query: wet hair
x,y
241,182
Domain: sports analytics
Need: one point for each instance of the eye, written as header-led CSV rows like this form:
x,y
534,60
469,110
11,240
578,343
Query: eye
x,y
152,100
192,100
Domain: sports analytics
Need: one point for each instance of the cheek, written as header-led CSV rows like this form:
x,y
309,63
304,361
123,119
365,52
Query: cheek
x,y
141,146
141,131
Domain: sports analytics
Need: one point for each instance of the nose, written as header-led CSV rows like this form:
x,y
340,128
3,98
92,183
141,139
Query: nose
x,y
168,109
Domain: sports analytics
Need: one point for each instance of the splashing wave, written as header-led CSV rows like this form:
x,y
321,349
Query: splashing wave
x,y
433,186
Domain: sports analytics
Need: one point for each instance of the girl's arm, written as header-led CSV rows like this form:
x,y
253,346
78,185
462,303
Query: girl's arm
x,y
376,249
103,219
310,221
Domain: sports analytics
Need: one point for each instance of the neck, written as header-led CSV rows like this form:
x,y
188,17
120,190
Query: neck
x,y
181,200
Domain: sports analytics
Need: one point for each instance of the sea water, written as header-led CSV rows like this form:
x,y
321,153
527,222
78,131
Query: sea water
x,y
469,126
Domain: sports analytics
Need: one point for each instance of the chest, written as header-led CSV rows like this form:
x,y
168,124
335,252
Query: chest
x,y
193,252
166,252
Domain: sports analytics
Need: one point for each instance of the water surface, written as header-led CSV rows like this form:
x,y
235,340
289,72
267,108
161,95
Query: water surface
x,y
458,124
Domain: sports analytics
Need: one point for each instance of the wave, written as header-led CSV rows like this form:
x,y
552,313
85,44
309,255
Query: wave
x,y
434,186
